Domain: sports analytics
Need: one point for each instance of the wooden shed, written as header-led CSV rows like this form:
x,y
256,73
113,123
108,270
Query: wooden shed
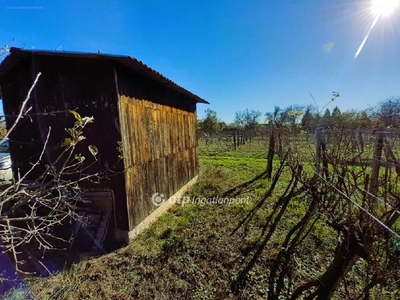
x,y
153,118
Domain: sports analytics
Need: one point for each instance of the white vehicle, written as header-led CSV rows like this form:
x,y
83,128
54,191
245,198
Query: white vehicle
x,y
5,163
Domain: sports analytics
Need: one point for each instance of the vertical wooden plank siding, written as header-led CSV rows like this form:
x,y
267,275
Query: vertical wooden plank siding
x,y
160,152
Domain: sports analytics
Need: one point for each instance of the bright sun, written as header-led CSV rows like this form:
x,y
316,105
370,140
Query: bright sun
x,y
384,7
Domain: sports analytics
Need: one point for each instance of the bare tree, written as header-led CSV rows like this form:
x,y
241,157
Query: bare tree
x,y
388,111
247,118
36,217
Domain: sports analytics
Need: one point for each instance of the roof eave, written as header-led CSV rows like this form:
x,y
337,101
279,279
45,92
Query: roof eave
x,y
132,63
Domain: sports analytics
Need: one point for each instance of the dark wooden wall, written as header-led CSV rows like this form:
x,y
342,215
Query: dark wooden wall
x,y
84,85
156,124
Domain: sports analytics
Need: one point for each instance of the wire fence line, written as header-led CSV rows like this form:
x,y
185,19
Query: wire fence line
x,y
300,159
351,179
347,148
362,140
364,210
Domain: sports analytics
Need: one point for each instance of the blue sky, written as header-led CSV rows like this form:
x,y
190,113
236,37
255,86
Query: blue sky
x,y
235,54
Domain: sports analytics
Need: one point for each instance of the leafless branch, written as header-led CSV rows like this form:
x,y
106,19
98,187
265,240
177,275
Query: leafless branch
x,y
31,213
22,109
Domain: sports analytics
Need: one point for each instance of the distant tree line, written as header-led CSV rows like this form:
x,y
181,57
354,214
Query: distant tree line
x,y
384,115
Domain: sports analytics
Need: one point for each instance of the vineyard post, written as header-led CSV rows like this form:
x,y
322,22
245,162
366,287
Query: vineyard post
x,y
318,148
376,161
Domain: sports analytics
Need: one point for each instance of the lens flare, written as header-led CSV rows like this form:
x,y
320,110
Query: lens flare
x,y
380,8
384,7
367,36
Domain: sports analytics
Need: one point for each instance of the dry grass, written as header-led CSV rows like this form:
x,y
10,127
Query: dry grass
x,y
195,251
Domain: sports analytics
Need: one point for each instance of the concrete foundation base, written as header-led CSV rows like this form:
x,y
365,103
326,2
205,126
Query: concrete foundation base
x,y
160,211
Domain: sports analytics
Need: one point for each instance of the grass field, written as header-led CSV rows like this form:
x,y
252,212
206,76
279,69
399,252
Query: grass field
x,y
199,251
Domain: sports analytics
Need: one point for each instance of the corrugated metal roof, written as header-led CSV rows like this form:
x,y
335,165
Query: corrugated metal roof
x,y
131,63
